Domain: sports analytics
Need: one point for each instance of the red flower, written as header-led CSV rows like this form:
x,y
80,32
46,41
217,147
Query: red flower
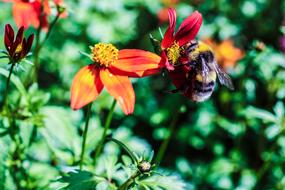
x,y
17,48
111,68
173,42
29,13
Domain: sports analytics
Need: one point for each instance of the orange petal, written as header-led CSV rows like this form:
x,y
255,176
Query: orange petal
x,y
86,87
121,88
136,63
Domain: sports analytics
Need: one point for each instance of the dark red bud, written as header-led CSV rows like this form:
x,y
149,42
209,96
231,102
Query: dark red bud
x,y
19,47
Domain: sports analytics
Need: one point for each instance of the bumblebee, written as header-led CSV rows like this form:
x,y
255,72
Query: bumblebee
x,y
199,69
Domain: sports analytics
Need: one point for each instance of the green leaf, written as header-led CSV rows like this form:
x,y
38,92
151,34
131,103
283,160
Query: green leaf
x,y
156,44
2,174
111,166
105,185
60,132
279,110
266,116
1,57
82,180
158,182
16,81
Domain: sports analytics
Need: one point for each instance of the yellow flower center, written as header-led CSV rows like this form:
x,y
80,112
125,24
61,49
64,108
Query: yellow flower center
x,y
19,48
104,54
173,53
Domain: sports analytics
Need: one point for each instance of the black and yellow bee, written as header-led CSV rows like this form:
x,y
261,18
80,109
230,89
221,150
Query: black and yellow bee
x,y
201,71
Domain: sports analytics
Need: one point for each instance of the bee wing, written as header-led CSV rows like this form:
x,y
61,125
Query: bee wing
x,y
223,77
205,72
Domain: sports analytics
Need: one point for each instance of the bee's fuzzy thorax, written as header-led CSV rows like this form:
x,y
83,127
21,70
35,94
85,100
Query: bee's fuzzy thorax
x,y
202,47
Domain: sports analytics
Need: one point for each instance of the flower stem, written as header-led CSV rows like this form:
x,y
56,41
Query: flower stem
x,y
85,136
50,29
7,84
107,126
163,147
40,44
37,48
129,181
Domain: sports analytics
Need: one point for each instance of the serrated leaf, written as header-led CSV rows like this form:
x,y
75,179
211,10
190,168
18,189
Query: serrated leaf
x,y
82,180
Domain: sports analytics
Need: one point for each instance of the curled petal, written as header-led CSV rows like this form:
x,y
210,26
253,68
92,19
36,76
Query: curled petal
x,y
121,88
169,34
189,28
86,87
136,63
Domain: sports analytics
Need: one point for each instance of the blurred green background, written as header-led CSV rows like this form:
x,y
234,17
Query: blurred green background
x,y
235,140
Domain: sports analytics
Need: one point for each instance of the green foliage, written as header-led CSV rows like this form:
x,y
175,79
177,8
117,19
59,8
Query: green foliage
x,y
159,182
81,180
235,140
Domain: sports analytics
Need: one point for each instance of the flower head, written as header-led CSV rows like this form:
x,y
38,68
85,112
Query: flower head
x,y
34,12
110,69
17,47
173,42
27,13
226,53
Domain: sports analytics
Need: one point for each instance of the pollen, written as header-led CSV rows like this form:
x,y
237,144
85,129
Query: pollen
x,y
104,54
173,53
19,48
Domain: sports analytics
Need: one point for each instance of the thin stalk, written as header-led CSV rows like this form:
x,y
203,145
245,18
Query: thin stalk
x,y
268,163
40,44
163,147
107,126
37,49
16,170
85,136
130,153
129,181
50,30
7,84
